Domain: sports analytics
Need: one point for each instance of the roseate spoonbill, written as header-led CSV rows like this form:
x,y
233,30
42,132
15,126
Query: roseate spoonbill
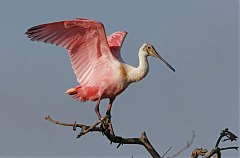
x,y
95,58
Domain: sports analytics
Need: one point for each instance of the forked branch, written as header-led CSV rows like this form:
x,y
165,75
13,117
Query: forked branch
x,y
142,140
216,151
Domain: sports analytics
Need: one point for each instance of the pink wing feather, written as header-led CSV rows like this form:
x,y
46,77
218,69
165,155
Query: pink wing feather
x,y
89,49
115,41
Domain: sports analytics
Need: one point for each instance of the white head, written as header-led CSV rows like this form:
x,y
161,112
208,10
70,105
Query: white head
x,y
149,50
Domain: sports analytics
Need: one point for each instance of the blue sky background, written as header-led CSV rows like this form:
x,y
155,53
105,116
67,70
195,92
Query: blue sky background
x,y
199,38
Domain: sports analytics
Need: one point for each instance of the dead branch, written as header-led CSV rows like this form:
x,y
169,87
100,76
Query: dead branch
x,y
142,140
216,151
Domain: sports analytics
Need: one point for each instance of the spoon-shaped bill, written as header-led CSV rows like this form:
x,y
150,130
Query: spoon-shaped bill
x,y
165,62
156,55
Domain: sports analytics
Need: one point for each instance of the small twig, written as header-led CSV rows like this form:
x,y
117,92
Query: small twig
x,y
70,124
227,148
167,151
189,143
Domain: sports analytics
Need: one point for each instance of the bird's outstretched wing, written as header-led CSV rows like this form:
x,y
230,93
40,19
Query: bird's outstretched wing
x,y
115,41
84,39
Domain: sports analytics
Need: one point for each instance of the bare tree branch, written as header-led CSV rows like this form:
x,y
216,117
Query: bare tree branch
x,y
142,140
216,151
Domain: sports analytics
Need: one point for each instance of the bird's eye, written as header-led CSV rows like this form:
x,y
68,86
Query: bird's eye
x,y
148,47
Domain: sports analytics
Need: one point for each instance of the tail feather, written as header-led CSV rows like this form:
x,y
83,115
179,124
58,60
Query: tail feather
x,y
84,93
71,91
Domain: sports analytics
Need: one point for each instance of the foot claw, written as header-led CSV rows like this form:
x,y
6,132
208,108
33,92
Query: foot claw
x,y
106,124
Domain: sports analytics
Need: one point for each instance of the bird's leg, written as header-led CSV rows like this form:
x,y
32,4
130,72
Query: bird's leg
x,y
104,123
108,113
97,109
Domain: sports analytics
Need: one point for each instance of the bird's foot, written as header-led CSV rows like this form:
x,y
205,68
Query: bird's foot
x,y
109,122
106,124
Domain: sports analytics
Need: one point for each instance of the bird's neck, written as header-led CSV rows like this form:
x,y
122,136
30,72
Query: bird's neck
x,y
138,73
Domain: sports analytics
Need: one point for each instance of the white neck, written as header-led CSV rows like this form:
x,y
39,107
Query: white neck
x,y
136,74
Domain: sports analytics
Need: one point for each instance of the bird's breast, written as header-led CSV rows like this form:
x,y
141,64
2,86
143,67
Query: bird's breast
x,y
117,83
123,72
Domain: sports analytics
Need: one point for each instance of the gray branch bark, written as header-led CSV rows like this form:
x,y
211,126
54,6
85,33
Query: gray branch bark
x,y
144,141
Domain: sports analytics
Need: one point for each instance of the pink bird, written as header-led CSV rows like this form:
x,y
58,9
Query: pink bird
x,y
95,58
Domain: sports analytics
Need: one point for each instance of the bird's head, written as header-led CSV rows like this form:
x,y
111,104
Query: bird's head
x,y
149,50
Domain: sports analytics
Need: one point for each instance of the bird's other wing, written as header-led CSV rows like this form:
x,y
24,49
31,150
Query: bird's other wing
x,y
115,41
84,39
